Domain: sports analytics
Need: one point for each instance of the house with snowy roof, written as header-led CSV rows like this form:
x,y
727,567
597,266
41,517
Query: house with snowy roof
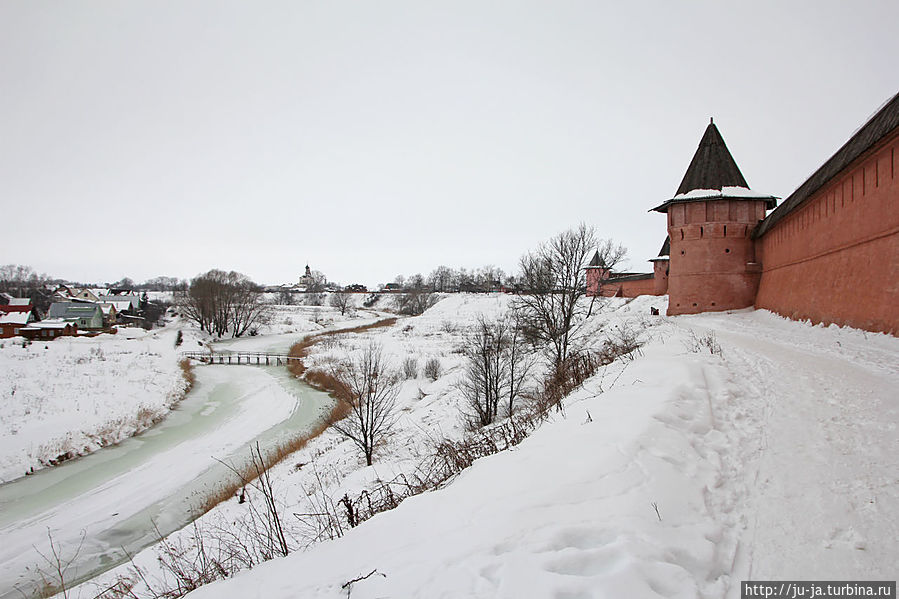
x,y
125,303
17,304
836,234
86,295
49,329
86,316
12,322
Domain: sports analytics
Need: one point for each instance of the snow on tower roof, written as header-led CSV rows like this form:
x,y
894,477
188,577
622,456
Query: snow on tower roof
x,y
713,174
712,166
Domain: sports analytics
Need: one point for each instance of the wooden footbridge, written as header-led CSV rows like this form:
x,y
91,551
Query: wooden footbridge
x,y
252,358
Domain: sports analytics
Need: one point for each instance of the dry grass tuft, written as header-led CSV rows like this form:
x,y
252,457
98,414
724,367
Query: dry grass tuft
x,y
187,373
301,348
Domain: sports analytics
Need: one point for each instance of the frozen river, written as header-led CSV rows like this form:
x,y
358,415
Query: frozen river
x,y
117,498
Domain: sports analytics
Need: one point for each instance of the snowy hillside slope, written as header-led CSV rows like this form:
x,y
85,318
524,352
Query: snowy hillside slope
x,y
74,395
769,458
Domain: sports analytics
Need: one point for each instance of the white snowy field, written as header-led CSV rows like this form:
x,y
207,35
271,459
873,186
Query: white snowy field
x,y
75,395
677,474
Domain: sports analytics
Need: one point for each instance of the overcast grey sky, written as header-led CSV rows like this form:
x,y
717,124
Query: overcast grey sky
x,y
148,138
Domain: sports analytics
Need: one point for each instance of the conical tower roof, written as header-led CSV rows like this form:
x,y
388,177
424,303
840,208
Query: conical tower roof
x,y
713,174
596,262
712,166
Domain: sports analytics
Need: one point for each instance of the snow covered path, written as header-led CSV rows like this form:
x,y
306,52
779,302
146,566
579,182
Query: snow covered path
x,y
821,480
774,458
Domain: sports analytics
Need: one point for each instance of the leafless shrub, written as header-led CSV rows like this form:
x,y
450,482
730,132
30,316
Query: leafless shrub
x,y
497,367
322,520
706,341
314,298
623,343
432,368
51,574
266,526
189,564
444,459
410,368
415,302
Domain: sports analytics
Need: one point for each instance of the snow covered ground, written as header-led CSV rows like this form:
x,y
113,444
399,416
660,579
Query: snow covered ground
x,y
677,474
66,386
74,395
773,458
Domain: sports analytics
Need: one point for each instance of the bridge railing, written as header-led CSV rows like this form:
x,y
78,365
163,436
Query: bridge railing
x,y
251,358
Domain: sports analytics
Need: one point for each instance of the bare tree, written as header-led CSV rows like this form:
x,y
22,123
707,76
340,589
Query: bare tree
x,y
441,279
369,388
521,361
285,297
415,302
314,298
553,280
221,302
497,367
341,301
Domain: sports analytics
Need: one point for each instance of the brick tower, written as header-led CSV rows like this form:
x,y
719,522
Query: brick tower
x,y
712,263
597,272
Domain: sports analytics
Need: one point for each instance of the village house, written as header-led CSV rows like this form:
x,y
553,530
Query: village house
x,y
12,322
86,316
110,314
49,329
85,295
15,313
124,304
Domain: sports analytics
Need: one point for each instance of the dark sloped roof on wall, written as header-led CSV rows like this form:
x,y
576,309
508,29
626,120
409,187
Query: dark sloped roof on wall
x,y
878,127
712,166
666,247
631,276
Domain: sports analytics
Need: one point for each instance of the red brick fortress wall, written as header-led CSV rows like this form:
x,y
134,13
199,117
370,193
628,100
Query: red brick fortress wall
x,y
835,257
629,288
